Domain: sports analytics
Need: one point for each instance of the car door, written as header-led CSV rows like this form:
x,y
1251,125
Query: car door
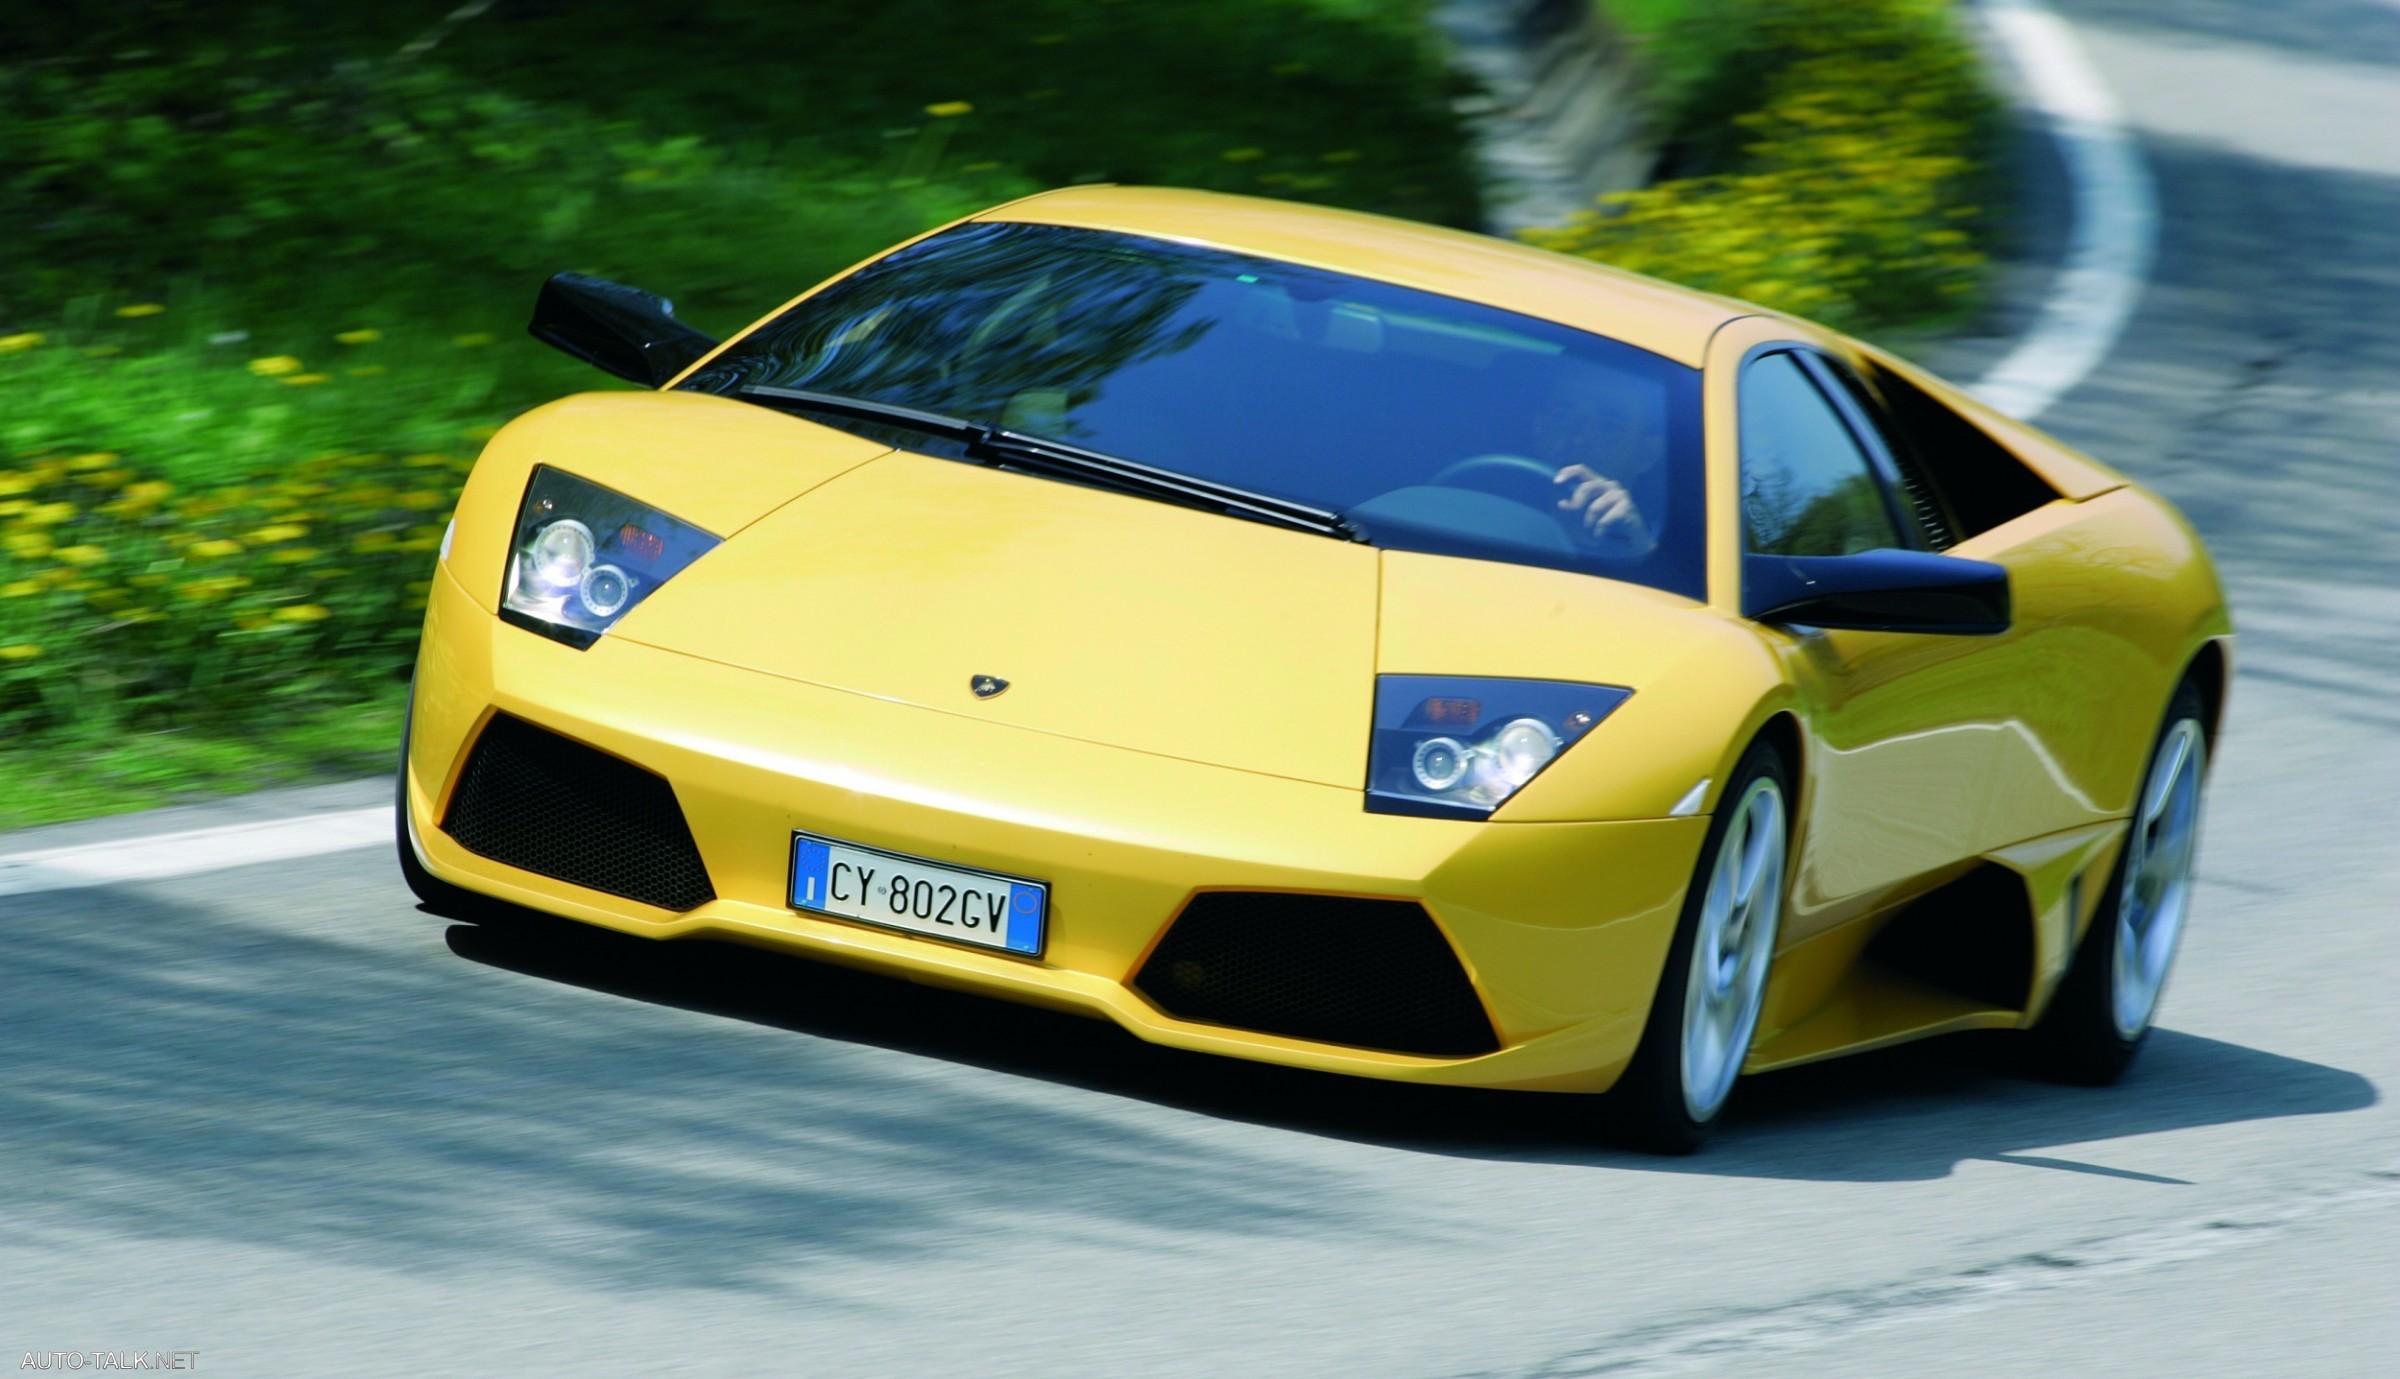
x,y
1902,735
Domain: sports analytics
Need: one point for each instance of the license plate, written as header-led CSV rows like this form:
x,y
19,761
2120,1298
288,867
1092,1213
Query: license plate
x,y
901,892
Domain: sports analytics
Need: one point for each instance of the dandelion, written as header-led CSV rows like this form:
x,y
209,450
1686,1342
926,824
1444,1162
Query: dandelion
x,y
359,337
140,309
304,612
276,366
98,459
19,589
423,500
474,339
294,555
26,545
22,651
148,491
215,548
16,344
13,482
281,531
48,514
950,110
82,555
1243,155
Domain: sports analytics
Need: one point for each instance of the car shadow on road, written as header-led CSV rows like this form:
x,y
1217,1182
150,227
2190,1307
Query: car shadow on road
x,y
1913,1112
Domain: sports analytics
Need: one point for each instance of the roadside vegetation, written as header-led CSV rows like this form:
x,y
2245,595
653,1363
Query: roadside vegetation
x,y
268,274
1831,158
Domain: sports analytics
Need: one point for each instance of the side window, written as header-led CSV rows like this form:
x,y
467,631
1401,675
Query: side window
x,y
1807,489
1920,508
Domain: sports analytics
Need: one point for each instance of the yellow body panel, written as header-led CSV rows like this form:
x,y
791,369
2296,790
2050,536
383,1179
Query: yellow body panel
x,y
1191,698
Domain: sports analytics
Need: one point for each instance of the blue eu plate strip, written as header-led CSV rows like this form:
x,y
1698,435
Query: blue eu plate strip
x,y
1025,918
810,862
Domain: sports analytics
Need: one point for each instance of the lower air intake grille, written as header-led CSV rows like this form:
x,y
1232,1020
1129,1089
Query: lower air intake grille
x,y
535,800
1375,974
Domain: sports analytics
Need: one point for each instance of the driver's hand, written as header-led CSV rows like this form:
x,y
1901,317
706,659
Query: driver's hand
x,y
1606,508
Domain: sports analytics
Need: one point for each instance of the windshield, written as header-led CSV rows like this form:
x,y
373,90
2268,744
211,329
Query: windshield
x,y
1429,423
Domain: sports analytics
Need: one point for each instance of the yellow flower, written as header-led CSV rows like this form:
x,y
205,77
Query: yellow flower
x,y
373,541
13,506
294,555
281,531
23,588
945,110
148,491
82,555
140,309
14,482
422,500
26,545
304,612
304,380
98,459
359,337
472,339
22,651
210,550
48,514
12,344
1243,155
276,366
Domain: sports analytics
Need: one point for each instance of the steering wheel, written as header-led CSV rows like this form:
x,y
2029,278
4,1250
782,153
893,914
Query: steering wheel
x,y
1514,477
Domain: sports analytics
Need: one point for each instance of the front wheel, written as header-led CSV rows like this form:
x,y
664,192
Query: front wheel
x,y
2102,1010
1715,980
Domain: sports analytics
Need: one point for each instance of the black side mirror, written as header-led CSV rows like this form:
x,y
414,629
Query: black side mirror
x,y
1878,591
624,330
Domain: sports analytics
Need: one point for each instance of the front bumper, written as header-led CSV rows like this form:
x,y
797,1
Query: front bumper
x,y
1562,927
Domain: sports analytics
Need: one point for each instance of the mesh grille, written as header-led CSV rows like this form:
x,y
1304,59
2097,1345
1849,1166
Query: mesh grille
x,y
535,800
1374,974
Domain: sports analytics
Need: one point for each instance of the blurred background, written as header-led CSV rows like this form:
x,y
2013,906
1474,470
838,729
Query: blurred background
x,y
268,265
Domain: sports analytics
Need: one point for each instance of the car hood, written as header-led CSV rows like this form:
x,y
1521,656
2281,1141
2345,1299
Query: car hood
x,y
1112,619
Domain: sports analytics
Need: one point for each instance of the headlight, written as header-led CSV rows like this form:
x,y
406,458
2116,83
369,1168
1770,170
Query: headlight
x,y
1457,748
585,555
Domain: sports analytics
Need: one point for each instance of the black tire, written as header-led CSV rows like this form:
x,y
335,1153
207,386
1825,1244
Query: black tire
x,y
1647,1109
2078,1039
433,893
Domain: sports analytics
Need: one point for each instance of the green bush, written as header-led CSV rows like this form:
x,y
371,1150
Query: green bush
x,y
267,281
1842,149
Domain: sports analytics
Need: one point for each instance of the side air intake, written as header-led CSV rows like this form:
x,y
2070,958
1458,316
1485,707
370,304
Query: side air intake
x,y
532,799
1374,974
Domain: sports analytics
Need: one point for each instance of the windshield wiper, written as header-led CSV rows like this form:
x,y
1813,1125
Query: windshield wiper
x,y
1015,448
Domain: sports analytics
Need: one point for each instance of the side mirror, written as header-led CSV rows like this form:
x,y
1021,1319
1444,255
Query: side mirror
x,y
624,330
1878,591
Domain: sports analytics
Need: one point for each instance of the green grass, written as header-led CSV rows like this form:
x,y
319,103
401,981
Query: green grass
x,y
259,255
84,775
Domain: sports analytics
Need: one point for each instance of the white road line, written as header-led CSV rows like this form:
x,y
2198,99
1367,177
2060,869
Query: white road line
x,y
199,850
2116,214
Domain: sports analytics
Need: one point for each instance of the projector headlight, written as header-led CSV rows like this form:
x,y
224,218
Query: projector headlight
x,y
1456,748
585,555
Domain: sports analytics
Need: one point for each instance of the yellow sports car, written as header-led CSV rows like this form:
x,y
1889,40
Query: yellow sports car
x,y
1322,639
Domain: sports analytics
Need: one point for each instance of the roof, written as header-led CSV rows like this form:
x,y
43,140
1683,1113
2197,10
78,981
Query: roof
x,y
1659,317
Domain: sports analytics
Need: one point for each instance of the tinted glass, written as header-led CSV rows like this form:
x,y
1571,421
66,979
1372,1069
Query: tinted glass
x,y
1432,423
1807,489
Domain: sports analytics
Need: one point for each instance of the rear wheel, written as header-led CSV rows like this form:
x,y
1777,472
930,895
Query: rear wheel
x,y
2102,1010
1715,980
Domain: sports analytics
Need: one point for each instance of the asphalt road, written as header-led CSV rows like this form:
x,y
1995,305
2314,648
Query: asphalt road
x,y
279,1116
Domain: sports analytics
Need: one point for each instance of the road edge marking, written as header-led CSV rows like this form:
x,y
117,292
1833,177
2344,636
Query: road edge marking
x,y
2114,241
193,851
